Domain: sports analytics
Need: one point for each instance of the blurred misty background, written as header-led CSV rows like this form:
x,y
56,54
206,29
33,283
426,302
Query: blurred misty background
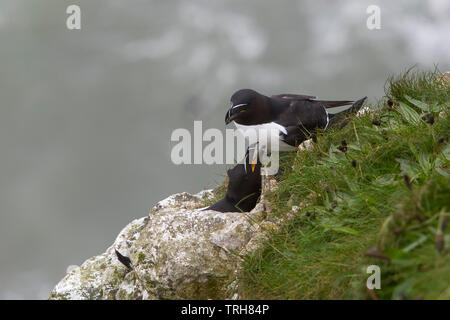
x,y
86,115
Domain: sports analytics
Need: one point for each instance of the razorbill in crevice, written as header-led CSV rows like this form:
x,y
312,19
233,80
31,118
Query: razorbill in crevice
x,y
294,117
243,190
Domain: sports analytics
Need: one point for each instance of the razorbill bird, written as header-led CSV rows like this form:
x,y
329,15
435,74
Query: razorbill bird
x,y
294,117
243,190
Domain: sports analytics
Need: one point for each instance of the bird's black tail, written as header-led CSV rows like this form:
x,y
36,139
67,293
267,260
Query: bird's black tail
x,y
341,117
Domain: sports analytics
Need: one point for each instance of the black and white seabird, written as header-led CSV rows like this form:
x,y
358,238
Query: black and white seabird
x,y
244,188
295,117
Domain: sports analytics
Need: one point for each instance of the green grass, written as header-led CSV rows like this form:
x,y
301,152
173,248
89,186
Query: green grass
x,y
390,191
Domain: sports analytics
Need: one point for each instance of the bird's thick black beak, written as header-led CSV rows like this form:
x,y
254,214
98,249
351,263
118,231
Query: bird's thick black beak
x,y
228,117
233,112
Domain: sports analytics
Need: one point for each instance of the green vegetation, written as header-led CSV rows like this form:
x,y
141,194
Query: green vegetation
x,y
375,192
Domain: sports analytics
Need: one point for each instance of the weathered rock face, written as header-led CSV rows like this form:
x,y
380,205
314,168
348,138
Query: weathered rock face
x,y
178,252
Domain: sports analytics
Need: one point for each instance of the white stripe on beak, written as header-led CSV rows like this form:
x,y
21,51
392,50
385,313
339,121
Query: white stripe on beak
x,y
239,105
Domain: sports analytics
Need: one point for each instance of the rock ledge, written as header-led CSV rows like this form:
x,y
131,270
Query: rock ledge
x,y
178,252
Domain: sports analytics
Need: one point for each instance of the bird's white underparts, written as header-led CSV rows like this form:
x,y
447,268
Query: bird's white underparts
x,y
264,144
262,141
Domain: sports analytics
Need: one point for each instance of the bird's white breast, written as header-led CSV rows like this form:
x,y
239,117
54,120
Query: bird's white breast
x,y
264,126
273,130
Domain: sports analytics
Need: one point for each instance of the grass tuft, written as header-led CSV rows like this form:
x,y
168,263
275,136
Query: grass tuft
x,y
381,184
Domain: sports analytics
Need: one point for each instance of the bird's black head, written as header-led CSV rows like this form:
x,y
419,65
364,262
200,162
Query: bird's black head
x,y
244,187
244,184
247,106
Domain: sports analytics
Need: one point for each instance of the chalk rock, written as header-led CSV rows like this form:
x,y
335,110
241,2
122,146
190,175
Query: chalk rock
x,y
178,252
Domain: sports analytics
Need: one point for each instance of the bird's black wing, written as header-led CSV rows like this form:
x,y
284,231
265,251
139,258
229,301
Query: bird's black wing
x,y
306,114
333,104
289,96
301,119
300,97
